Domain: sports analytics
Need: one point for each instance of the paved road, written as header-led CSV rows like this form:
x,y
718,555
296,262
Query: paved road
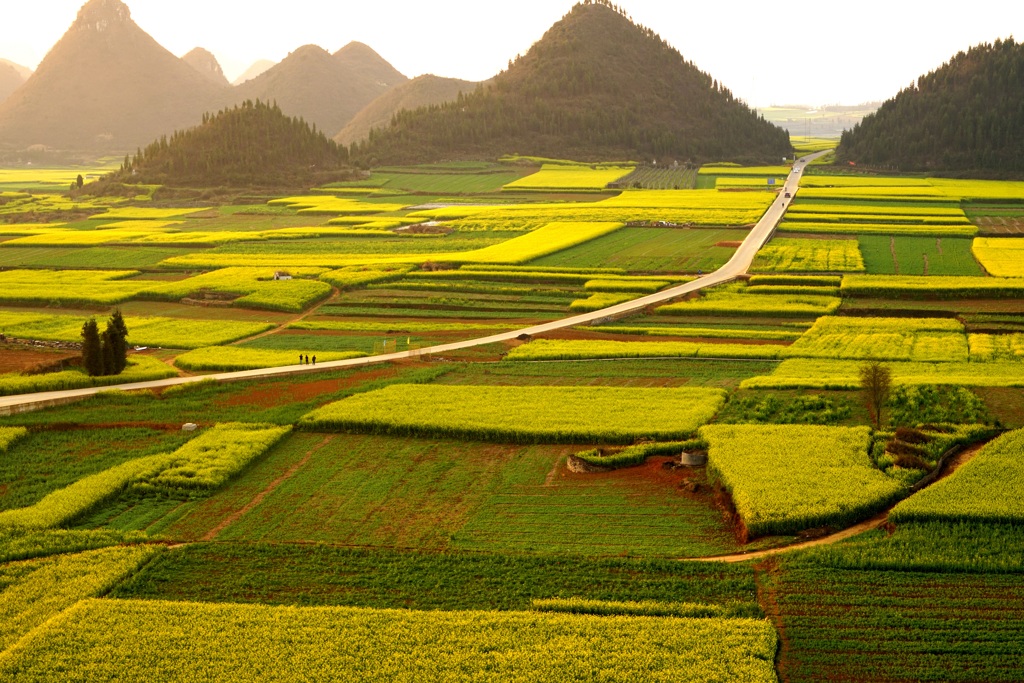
x,y
738,265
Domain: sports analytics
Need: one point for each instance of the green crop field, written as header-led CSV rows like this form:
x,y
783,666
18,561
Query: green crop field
x,y
272,573
652,250
918,256
394,492
902,627
113,258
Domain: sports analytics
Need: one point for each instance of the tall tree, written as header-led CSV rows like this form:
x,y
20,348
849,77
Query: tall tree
x,y
117,330
876,381
108,344
92,351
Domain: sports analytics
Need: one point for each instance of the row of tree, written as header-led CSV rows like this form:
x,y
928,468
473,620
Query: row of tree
x,y
105,354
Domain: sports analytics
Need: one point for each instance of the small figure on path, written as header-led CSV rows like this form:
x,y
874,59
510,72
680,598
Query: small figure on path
x,y
314,360
307,359
300,359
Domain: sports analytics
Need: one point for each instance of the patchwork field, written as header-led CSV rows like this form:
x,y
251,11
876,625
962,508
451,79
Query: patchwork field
x,y
700,491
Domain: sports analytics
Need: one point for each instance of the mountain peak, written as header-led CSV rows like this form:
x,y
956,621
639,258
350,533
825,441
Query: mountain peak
x,y
365,61
309,51
98,15
355,49
204,62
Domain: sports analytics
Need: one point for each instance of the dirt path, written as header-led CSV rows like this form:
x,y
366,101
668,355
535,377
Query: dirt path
x,y
959,460
259,497
302,316
875,522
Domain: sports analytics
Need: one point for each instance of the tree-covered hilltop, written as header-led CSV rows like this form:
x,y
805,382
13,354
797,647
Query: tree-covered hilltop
x,y
251,145
966,116
595,87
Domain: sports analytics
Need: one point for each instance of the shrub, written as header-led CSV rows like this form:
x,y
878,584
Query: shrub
x,y
910,406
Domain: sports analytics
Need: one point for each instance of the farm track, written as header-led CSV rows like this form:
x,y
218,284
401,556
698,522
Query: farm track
x,y
738,265
876,522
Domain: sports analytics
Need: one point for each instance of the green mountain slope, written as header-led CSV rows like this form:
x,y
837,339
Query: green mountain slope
x,y
596,86
251,145
967,115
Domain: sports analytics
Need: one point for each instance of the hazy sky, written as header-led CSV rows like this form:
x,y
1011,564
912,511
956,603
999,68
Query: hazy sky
x,y
803,51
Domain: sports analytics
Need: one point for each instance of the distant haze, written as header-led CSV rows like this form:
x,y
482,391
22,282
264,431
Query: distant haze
x,y
801,52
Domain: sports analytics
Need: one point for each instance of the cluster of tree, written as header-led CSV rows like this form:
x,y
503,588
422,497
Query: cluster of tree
x,y
107,353
966,116
251,145
596,86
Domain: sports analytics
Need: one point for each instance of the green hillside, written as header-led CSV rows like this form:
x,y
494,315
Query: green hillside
x,y
967,115
596,86
253,144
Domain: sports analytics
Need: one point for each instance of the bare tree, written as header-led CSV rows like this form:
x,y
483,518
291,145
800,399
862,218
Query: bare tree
x,y
876,381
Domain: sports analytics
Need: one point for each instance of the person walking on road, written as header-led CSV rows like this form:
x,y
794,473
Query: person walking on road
x,y
300,359
307,359
314,360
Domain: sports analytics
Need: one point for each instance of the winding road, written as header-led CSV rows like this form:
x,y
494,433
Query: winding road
x,y
738,265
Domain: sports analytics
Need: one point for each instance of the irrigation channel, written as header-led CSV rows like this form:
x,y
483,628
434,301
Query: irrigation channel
x,y
738,265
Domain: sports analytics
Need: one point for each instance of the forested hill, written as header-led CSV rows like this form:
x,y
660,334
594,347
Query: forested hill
x,y
966,116
595,87
251,145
